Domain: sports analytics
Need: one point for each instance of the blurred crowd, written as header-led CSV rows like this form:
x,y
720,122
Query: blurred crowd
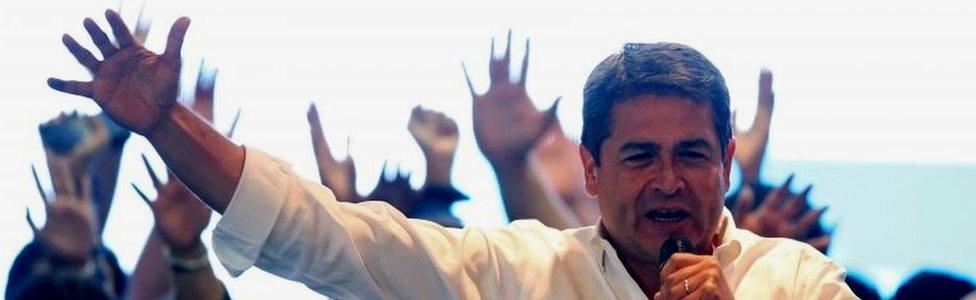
x,y
537,166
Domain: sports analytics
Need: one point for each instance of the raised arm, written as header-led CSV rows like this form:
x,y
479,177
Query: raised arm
x,y
751,144
506,127
340,176
90,145
180,219
138,89
559,161
437,136
105,172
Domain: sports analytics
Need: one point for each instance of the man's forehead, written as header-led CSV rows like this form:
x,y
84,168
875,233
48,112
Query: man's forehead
x,y
662,120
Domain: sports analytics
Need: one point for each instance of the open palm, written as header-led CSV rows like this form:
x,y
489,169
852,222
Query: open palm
x,y
134,86
506,123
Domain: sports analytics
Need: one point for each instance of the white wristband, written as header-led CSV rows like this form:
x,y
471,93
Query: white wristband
x,y
180,265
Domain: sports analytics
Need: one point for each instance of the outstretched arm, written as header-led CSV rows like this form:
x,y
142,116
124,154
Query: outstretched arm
x,y
180,219
506,127
138,89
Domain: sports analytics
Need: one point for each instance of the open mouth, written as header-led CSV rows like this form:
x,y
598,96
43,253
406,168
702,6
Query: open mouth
x,y
667,215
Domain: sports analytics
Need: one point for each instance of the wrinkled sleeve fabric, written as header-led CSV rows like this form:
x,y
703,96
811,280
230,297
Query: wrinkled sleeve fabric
x,y
821,278
297,229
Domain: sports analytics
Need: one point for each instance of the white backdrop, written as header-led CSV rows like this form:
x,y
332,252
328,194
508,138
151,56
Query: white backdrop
x,y
862,85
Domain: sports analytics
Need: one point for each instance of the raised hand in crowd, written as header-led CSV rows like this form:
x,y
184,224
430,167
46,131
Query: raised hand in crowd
x,y
66,258
506,123
180,220
180,216
506,127
437,136
203,98
69,232
90,145
782,214
74,141
340,176
558,157
751,144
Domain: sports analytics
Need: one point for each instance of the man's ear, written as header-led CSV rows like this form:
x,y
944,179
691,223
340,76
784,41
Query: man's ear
x,y
727,161
589,171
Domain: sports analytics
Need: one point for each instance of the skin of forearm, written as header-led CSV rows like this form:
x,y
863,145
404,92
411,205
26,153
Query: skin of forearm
x,y
152,278
199,284
750,174
107,172
439,168
526,197
203,158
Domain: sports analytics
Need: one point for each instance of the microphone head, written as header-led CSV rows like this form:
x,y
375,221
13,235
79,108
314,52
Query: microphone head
x,y
674,245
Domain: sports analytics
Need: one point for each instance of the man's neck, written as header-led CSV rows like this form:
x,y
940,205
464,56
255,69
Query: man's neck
x,y
647,275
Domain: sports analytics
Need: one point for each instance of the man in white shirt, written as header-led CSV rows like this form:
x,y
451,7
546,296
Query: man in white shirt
x,y
656,146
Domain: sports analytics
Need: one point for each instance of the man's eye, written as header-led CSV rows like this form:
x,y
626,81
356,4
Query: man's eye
x,y
638,159
695,156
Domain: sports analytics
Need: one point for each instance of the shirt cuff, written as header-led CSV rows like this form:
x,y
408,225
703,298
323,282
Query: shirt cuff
x,y
242,231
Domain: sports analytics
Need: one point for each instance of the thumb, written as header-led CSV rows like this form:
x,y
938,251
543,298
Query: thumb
x,y
549,117
174,43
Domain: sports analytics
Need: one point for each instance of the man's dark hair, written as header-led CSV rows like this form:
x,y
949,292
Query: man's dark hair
x,y
659,69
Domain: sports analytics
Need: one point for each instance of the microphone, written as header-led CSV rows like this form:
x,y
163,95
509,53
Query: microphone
x,y
672,245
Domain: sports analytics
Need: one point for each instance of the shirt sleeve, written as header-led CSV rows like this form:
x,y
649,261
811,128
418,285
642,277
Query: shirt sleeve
x,y
296,229
821,278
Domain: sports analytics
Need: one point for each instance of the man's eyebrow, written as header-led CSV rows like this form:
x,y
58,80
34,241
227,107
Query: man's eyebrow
x,y
695,143
640,146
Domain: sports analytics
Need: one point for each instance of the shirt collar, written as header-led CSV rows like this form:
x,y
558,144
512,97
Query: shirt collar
x,y
729,248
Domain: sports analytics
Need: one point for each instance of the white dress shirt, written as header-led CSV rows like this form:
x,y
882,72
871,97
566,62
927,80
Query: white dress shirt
x,y
296,229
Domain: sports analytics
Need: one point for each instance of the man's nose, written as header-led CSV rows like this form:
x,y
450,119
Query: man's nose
x,y
666,182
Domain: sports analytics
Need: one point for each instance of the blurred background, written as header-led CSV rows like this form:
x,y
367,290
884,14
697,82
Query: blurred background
x,y
874,101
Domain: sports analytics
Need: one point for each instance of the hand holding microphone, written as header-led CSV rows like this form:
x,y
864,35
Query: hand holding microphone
x,y
686,275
